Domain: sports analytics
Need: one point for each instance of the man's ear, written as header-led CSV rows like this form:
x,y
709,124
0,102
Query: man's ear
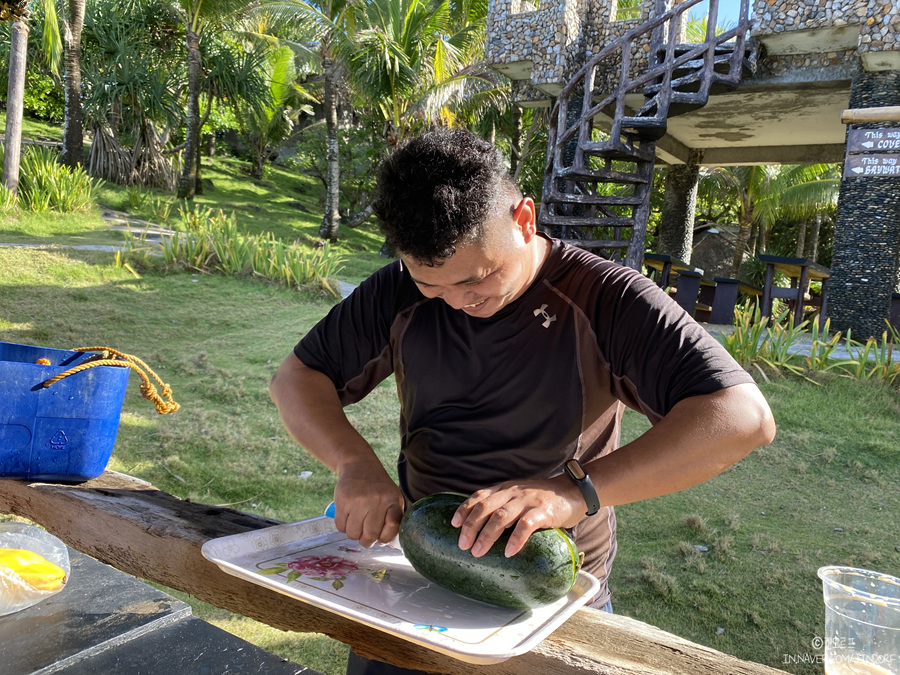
x,y
525,219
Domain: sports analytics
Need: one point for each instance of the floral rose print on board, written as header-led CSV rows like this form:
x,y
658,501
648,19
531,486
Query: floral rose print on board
x,y
317,567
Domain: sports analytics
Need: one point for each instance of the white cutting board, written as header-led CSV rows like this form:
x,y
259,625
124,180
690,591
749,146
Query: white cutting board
x,y
313,562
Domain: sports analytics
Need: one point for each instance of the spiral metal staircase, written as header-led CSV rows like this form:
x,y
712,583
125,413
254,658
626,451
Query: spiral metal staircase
x,y
607,119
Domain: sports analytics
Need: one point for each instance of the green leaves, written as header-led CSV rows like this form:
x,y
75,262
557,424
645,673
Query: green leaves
x,y
47,185
755,340
213,242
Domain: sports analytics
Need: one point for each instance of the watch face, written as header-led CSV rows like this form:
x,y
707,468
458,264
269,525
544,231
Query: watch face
x,y
575,468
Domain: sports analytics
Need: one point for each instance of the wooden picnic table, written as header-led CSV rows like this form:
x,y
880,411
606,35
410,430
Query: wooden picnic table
x,y
140,530
691,282
665,265
800,271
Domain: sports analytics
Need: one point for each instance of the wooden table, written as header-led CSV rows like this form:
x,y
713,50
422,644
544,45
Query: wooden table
x,y
800,271
691,282
140,530
665,265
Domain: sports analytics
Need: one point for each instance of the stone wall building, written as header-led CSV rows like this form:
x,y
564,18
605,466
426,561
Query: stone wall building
x,y
809,61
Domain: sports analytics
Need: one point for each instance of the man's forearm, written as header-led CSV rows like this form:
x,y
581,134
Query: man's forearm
x,y
312,413
368,503
699,438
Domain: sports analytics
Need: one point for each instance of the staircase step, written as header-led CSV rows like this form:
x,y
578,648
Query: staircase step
x,y
646,128
600,176
613,150
593,200
723,48
581,221
597,243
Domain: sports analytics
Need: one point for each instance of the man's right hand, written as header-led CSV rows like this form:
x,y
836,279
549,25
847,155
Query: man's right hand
x,y
368,504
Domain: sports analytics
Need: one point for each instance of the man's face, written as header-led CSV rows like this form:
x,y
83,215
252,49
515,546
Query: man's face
x,y
482,277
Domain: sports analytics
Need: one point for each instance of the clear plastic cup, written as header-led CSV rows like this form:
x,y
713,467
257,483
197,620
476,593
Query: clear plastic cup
x,y
862,622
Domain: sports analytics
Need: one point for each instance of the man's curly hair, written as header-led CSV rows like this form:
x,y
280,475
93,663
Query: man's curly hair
x,y
437,191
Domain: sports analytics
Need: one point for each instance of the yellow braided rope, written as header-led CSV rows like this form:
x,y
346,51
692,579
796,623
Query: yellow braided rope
x,y
148,390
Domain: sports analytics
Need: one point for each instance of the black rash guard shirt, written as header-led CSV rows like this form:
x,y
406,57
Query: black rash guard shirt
x,y
517,394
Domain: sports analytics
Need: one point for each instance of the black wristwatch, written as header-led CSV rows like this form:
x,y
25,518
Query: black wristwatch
x,y
576,472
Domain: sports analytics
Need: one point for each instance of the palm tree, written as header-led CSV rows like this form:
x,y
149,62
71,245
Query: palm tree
x,y
199,18
332,26
19,13
417,64
73,128
417,60
265,126
767,194
806,194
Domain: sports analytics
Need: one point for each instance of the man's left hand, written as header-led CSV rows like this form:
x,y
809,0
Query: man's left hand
x,y
529,505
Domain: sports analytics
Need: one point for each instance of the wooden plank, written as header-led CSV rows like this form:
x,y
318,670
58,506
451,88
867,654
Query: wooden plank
x,y
138,529
889,113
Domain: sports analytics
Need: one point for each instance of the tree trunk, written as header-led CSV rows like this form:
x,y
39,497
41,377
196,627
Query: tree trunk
x,y
18,54
73,128
812,247
676,223
801,238
515,140
198,173
740,245
331,219
187,184
359,218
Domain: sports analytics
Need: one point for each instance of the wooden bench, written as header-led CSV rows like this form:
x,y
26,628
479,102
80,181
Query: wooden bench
x,y
693,293
800,271
691,283
726,296
129,524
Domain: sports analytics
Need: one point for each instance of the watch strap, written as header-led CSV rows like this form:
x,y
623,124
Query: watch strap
x,y
576,472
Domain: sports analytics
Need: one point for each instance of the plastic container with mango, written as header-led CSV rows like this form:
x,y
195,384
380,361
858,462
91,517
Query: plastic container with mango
x,y
34,565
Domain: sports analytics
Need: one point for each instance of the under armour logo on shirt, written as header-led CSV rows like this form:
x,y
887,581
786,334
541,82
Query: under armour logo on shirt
x,y
547,318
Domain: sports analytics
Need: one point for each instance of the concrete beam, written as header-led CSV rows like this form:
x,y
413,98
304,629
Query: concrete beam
x,y
672,151
878,61
786,154
811,41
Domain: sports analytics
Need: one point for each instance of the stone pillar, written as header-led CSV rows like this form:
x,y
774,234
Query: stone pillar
x,y
867,228
676,225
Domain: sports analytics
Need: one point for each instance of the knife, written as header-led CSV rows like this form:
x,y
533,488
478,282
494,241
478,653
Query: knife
x,y
393,543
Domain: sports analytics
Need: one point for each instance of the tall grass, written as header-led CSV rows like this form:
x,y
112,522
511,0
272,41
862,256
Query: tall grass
x,y
46,185
8,199
213,242
756,341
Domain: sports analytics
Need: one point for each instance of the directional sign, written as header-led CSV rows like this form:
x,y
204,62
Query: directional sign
x,y
875,164
873,140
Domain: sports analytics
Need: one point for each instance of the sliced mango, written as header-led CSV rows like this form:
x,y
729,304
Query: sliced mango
x,y
33,568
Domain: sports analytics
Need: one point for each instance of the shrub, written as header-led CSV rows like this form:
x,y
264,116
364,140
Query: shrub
x,y
47,185
42,98
8,199
213,242
760,340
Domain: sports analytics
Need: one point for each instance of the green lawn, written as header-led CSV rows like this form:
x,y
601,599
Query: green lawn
x,y
825,492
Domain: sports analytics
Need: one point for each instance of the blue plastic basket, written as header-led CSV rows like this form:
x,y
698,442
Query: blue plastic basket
x,y
64,432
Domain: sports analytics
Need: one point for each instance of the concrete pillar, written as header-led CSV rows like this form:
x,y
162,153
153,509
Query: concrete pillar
x,y
867,228
676,225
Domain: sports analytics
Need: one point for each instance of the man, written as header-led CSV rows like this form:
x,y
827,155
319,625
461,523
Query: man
x,y
514,354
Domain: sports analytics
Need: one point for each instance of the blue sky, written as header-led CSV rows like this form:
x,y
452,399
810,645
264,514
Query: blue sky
x,y
728,10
